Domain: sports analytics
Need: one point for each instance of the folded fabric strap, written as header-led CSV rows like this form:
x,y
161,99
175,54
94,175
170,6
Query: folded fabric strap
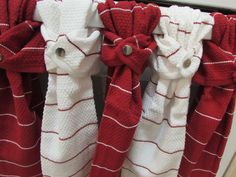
x,y
159,140
21,53
127,46
210,121
69,129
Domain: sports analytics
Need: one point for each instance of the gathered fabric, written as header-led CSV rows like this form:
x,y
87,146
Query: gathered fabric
x,y
127,45
210,119
69,128
21,58
159,140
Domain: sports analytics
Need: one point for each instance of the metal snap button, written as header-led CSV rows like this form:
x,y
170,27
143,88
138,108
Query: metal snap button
x,y
1,57
187,63
60,52
127,50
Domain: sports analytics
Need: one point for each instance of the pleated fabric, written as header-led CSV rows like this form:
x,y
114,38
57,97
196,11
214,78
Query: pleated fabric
x,y
210,120
127,45
21,102
69,129
159,141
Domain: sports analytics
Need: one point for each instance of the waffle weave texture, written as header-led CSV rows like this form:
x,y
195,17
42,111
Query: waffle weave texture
x,y
159,140
210,119
127,24
69,129
21,103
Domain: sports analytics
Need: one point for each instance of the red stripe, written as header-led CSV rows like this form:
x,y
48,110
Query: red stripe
x,y
152,142
82,100
159,123
68,39
81,168
64,139
172,169
66,74
71,157
186,32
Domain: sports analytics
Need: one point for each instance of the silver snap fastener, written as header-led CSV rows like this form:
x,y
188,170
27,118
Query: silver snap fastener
x,y
187,63
1,57
127,50
60,52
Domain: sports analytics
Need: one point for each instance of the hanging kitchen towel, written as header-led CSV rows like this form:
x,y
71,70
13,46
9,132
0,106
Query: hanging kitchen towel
x,y
128,44
210,121
69,128
159,140
21,103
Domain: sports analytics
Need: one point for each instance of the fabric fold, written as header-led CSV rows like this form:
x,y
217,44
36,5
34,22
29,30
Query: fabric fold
x,y
127,45
209,122
21,55
158,144
69,128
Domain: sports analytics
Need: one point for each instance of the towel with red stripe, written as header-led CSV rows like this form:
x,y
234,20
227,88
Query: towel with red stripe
x,y
69,128
210,120
128,44
21,57
159,140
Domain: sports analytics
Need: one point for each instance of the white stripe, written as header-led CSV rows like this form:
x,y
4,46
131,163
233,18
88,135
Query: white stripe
x,y
107,169
136,86
148,49
38,104
225,51
189,160
136,40
203,170
210,117
127,91
2,175
7,49
21,96
107,145
196,139
33,48
19,146
230,113
218,62
124,126
127,10
117,39
15,117
31,27
105,44
231,90
212,154
3,88
4,24
226,137
19,165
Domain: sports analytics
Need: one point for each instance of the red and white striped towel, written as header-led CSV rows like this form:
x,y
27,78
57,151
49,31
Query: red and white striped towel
x,y
210,120
159,140
69,128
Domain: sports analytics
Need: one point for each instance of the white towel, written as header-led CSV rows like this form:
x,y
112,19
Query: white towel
x,y
159,140
69,129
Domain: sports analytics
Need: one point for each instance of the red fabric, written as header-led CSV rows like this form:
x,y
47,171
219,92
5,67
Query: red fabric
x,y
21,104
210,123
123,105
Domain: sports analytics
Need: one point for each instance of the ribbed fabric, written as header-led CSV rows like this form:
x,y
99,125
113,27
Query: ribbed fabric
x,y
69,128
126,23
159,140
21,103
210,121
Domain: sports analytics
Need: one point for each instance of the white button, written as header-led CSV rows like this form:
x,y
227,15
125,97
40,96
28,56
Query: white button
x,y
1,57
60,52
127,50
187,63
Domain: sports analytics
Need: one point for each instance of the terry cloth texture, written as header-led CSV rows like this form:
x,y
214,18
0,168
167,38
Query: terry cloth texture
x,y
159,140
209,122
21,103
69,129
128,44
